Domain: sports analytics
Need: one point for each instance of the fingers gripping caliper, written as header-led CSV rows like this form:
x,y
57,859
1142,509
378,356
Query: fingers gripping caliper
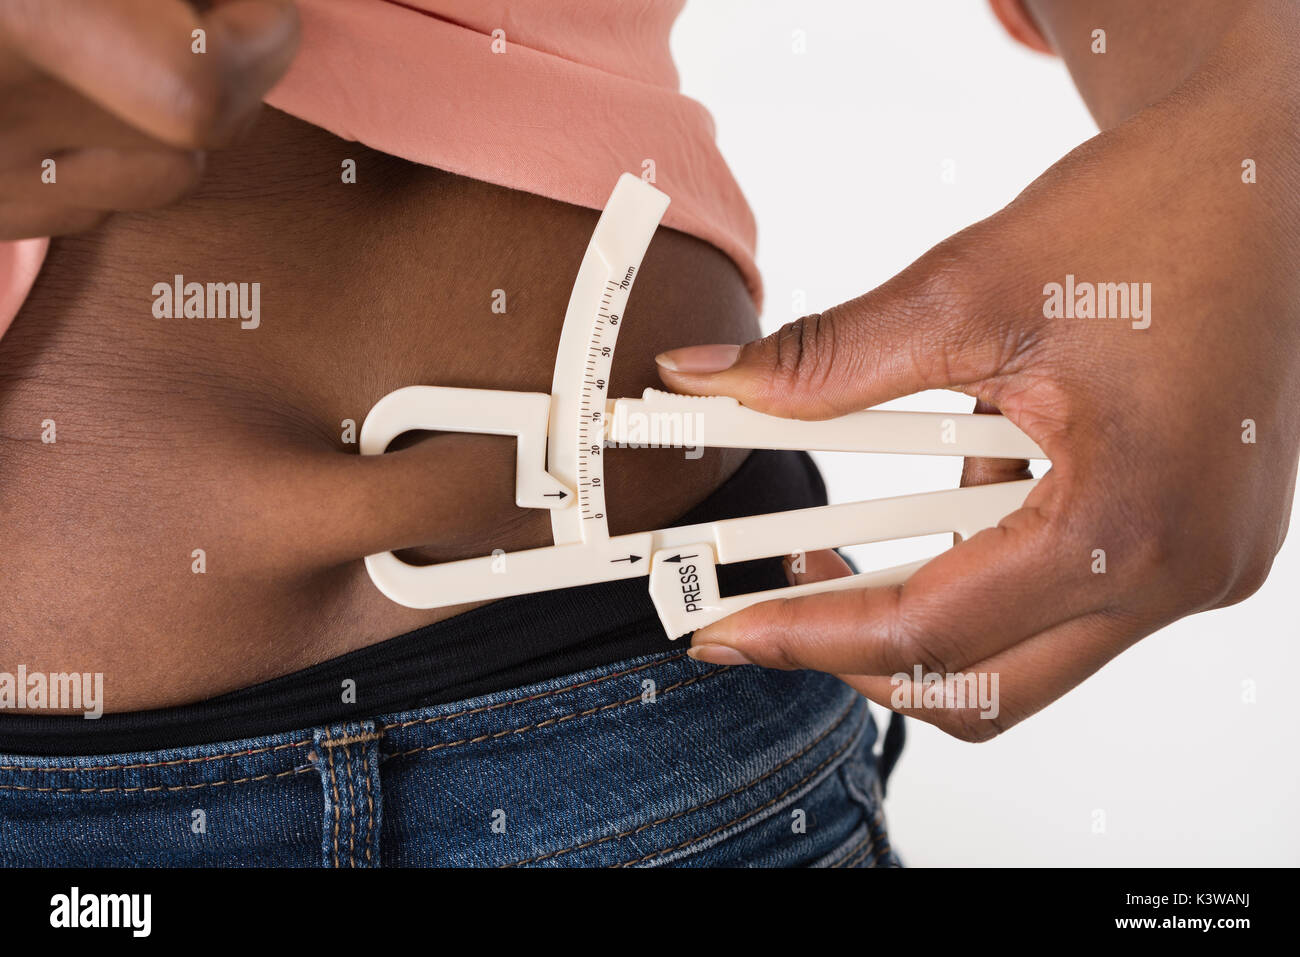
x,y
559,464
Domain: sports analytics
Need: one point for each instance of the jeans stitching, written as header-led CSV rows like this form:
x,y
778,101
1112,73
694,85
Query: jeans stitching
x,y
159,764
334,786
874,852
157,788
352,807
846,855
859,858
851,857
536,697
762,807
370,810
699,807
351,739
552,721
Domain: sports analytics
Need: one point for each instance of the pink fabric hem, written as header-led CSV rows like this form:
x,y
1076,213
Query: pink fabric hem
x,y
406,81
579,93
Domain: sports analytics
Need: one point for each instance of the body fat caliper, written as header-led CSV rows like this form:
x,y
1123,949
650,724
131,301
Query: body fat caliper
x,y
559,464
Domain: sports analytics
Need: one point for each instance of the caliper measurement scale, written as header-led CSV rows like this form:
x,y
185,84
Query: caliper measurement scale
x,y
561,439
591,428
585,357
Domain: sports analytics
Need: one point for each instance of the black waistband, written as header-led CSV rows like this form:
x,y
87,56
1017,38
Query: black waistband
x,y
508,643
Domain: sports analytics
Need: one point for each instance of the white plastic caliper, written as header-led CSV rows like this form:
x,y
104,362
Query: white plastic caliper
x,y
559,463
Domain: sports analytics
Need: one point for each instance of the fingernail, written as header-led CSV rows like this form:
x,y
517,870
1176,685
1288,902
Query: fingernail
x,y
699,360
718,655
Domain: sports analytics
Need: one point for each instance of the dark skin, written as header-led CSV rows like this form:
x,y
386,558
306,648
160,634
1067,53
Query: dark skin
x,y
1147,430
180,434
1144,429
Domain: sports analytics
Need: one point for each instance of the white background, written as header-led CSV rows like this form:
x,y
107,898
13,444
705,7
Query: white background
x,y
840,151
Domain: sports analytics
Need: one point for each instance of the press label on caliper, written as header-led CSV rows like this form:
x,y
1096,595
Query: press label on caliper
x,y
690,585
684,588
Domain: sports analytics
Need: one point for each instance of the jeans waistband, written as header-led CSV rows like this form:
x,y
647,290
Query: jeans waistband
x,y
655,760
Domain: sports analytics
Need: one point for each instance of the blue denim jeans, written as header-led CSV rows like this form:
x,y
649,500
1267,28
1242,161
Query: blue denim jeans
x,y
649,762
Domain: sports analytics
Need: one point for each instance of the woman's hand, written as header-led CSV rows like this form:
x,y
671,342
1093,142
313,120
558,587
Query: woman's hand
x,y
108,104
1173,427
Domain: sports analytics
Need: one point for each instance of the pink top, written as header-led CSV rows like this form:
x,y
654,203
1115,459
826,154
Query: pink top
x,y
552,97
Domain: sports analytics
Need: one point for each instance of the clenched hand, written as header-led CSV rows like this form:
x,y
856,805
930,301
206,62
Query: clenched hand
x,y
109,104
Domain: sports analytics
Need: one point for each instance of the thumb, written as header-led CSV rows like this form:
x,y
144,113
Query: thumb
x,y
927,328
